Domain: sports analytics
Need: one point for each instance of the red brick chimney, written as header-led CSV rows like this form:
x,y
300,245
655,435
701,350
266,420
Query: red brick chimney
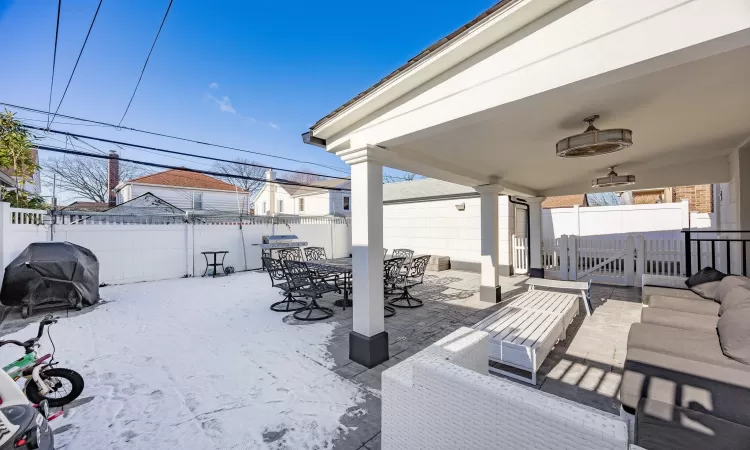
x,y
113,176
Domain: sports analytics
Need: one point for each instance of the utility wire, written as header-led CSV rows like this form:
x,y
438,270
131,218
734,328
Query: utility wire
x,y
54,61
186,169
146,63
173,152
153,133
77,61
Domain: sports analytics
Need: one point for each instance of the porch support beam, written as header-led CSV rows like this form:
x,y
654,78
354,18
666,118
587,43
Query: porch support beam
x,y
536,270
368,341
489,291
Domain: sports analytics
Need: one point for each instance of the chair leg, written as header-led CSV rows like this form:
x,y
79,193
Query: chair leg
x,y
289,304
390,311
411,302
313,306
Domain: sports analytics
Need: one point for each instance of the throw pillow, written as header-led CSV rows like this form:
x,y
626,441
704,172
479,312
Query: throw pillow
x,y
734,334
706,275
730,282
738,297
708,290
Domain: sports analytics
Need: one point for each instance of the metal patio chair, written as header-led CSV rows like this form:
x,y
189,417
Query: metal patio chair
x,y
300,278
294,254
319,254
385,253
275,269
391,268
413,277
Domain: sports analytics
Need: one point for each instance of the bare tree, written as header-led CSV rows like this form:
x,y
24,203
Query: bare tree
x,y
304,178
85,177
405,176
603,199
240,167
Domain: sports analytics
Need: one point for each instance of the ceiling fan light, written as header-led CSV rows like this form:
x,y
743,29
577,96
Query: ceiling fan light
x,y
613,179
594,142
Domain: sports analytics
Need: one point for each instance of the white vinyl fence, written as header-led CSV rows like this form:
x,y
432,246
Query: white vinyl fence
x,y
620,260
129,251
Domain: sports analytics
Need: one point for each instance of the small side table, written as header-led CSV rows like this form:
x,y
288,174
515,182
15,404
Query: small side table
x,y
215,264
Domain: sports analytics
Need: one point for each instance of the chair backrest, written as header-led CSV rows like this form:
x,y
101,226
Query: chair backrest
x,y
275,269
385,253
391,268
297,273
315,253
418,267
293,254
403,253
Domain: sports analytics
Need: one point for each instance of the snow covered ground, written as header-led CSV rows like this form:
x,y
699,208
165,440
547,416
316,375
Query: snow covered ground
x,y
197,363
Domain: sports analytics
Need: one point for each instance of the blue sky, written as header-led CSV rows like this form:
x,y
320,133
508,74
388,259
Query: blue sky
x,y
250,74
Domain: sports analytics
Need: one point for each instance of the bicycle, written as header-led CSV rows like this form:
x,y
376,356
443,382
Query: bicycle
x,y
59,386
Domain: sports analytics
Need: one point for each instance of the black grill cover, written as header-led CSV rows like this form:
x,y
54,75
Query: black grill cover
x,y
52,272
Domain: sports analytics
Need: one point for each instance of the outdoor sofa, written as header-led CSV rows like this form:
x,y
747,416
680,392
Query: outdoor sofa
x,y
687,370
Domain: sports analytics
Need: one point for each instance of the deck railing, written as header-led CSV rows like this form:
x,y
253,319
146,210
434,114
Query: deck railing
x,y
722,250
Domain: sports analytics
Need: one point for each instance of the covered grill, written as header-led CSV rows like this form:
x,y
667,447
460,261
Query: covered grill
x,y
273,242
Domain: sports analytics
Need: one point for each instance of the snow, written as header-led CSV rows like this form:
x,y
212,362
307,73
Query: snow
x,y
197,363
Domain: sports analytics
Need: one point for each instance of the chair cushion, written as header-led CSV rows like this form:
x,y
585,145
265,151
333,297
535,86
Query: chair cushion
x,y
688,344
709,291
723,391
695,305
679,319
730,282
706,275
738,297
650,291
734,333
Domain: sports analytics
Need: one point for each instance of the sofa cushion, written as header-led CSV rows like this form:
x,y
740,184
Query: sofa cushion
x,y
738,297
734,333
706,275
688,344
730,282
695,305
723,391
679,319
650,291
709,291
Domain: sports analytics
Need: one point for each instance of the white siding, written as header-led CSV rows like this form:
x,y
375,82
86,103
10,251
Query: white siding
x,y
183,197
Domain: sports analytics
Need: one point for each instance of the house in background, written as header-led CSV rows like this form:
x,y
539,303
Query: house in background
x,y
34,186
322,200
187,191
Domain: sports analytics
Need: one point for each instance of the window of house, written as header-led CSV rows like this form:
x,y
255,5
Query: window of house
x,y
197,200
346,203
301,205
281,205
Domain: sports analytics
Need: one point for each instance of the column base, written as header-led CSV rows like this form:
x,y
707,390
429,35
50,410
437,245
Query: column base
x,y
490,294
368,350
536,273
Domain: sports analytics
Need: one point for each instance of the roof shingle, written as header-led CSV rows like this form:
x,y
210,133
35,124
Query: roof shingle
x,y
184,178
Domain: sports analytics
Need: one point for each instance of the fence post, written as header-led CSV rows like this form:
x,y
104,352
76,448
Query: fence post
x,y
630,260
572,257
4,236
189,248
688,255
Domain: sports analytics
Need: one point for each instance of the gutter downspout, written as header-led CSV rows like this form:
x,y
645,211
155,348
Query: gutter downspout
x,y
528,229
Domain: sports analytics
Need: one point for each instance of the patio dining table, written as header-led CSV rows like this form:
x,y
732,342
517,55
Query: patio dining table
x,y
339,266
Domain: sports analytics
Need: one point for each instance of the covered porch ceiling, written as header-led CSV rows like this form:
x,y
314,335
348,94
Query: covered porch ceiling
x,y
677,73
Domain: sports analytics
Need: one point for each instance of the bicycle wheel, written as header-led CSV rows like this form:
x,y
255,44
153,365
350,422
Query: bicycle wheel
x,y
66,385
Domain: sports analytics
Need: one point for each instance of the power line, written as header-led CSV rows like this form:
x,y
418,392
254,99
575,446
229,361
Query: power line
x,y
186,169
153,133
146,63
54,61
174,152
77,60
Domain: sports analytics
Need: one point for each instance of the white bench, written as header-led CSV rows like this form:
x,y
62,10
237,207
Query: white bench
x,y
523,332
583,286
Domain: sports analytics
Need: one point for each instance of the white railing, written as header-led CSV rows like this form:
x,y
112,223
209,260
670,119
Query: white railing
x,y
520,255
555,257
602,260
664,257
21,216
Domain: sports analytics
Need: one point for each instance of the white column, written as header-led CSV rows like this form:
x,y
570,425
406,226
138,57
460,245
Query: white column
x,y
535,239
506,223
488,289
368,342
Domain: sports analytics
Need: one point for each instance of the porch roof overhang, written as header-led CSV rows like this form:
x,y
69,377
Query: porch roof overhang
x,y
676,72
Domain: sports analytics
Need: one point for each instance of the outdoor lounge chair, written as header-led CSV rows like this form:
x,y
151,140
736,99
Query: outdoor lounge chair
x,y
413,276
275,270
305,284
391,269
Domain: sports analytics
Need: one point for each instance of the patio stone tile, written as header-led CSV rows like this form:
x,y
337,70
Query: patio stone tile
x,y
371,377
363,423
374,443
340,355
394,348
350,370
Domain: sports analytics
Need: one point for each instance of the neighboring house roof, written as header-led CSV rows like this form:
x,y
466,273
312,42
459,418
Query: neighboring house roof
x,y
6,179
295,191
145,204
424,189
565,201
422,55
86,206
183,178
